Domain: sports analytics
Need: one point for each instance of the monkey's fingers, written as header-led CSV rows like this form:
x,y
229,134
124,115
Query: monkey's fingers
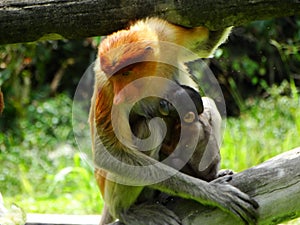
x,y
245,208
236,202
223,180
224,172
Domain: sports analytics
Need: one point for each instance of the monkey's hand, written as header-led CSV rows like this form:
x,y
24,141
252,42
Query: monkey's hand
x,y
225,172
233,200
217,193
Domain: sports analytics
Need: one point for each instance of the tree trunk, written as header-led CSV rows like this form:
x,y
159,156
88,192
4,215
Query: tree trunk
x,y
31,20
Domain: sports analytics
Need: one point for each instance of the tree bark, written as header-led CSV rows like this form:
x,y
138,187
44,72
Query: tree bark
x,y
274,184
31,20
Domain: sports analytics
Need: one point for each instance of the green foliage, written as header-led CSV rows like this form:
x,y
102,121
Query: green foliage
x,y
256,57
34,71
41,167
267,128
36,133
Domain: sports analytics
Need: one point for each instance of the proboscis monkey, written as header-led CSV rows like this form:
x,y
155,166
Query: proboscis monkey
x,y
133,63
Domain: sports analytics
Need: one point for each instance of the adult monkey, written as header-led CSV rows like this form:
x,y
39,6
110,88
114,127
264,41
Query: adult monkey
x,y
133,55
205,123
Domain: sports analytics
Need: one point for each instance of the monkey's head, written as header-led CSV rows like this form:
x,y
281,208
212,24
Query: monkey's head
x,y
190,112
128,55
151,107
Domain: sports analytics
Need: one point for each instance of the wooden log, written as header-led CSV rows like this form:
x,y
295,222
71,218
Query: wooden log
x,y
31,20
274,184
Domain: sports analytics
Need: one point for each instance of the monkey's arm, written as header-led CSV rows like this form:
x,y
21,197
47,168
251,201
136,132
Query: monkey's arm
x,y
206,157
119,162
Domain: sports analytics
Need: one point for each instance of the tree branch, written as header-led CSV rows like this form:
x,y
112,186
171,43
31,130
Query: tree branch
x,y
30,20
274,184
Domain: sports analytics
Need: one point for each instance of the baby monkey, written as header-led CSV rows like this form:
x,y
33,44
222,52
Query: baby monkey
x,y
192,141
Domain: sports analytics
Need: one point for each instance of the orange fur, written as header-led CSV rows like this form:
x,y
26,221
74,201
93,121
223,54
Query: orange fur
x,y
131,50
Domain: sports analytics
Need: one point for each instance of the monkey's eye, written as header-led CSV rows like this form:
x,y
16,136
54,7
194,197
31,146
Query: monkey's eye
x,y
164,108
126,73
189,117
148,48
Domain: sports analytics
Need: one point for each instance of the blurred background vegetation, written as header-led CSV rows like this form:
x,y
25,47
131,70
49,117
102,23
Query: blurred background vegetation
x,y
41,167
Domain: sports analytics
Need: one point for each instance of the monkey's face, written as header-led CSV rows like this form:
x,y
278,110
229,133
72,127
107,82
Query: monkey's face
x,y
126,58
123,81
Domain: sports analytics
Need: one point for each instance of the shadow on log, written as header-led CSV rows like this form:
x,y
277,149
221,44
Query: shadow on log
x,y
274,184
